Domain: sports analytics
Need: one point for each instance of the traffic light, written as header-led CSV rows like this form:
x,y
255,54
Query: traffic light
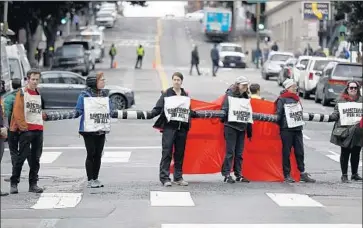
x,y
64,20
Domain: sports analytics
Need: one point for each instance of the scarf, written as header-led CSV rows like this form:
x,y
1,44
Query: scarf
x,y
349,98
287,94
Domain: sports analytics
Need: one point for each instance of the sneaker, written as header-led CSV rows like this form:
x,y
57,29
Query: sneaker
x,y
89,183
94,184
97,182
229,180
345,179
305,177
14,189
167,184
35,189
3,193
356,177
242,179
181,182
289,179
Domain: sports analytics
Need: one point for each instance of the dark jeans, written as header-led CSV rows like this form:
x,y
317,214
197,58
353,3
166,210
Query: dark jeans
x,y
94,146
177,139
292,139
139,61
235,141
31,148
354,154
196,66
13,141
215,66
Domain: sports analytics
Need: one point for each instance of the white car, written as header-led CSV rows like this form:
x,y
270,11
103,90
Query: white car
x,y
274,63
231,55
105,19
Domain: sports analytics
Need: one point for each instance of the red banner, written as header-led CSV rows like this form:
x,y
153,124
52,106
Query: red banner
x,y
262,157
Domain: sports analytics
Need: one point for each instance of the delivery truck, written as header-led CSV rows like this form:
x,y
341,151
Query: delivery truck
x,y
217,23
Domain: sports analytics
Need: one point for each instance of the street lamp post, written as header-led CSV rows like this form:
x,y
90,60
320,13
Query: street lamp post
x,y
6,17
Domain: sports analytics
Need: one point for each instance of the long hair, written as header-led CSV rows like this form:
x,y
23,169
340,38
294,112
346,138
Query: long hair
x,y
345,91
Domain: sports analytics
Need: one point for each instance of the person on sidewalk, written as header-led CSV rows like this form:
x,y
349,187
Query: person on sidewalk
x,y
290,120
214,54
194,61
173,107
236,129
94,107
112,53
140,55
3,136
27,120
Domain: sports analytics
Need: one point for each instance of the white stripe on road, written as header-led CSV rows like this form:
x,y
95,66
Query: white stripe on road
x,y
171,199
116,157
305,136
48,223
48,157
336,157
57,200
261,225
106,148
293,200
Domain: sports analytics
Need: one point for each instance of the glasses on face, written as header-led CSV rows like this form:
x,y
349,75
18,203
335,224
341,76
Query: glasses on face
x,y
353,88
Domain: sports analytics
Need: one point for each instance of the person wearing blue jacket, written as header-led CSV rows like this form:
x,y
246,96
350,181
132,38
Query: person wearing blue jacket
x,y
94,107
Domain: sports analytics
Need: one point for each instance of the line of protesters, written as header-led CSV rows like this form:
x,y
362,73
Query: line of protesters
x,y
24,128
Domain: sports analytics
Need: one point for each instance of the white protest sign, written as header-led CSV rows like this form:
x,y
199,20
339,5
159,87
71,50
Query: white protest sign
x,y
239,110
33,108
177,108
97,114
294,115
350,113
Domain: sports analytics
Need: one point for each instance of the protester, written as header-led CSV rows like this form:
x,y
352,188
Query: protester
x,y
3,135
290,119
173,107
347,131
236,123
27,121
94,107
13,137
255,91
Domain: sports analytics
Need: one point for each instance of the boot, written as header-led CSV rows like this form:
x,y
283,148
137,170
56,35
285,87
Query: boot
x,y
356,177
14,189
34,188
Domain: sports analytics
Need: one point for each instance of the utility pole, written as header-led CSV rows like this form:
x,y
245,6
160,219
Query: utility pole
x,y
6,18
258,17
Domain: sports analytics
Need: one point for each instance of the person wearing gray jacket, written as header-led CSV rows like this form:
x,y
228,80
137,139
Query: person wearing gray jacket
x,y
290,120
235,133
349,136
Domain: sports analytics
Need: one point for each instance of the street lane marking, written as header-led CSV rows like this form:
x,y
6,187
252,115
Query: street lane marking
x,y
261,225
159,67
293,200
48,223
48,157
105,148
336,157
306,137
57,200
116,157
171,199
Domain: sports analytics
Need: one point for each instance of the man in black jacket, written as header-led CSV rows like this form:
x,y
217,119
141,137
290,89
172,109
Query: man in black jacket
x,y
290,119
214,54
195,61
235,130
173,107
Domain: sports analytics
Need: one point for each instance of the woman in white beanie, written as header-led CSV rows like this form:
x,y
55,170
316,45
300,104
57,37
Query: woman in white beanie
x,y
235,129
290,119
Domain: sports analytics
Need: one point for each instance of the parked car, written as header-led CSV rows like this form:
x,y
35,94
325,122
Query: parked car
x,y
88,45
311,73
60,89
286,71
231,55
272,66
334,79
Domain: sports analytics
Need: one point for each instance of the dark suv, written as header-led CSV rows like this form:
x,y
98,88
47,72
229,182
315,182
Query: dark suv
x,y
71,58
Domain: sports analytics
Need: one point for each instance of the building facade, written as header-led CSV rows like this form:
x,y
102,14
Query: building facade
x,y
295,24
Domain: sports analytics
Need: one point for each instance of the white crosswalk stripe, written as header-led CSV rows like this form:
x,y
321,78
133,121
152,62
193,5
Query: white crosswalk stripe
x,y
131,43
261,225
336,157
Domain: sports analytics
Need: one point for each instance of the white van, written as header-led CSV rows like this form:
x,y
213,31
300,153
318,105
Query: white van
x,y
18,62
96,34
5,80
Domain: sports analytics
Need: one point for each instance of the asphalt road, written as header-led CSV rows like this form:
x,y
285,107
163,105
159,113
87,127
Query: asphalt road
x,y
133,197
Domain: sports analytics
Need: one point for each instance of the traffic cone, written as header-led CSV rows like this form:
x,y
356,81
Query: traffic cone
x,y
114,65
154,65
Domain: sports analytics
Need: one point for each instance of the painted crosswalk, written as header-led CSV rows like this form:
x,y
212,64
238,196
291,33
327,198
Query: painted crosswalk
x,y
336,157
131,43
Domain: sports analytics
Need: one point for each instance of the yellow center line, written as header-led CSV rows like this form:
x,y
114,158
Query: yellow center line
x,y
158,64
